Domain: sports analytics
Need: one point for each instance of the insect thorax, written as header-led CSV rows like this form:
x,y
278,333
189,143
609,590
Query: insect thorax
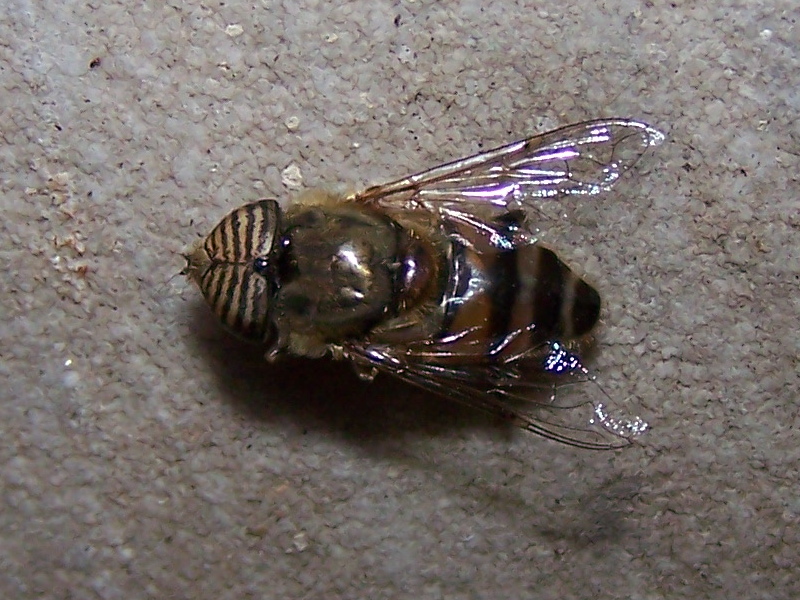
x,y
350,268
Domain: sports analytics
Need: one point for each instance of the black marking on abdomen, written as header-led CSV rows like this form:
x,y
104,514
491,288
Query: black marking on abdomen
x,y
548,295
504,276
584,309
505,280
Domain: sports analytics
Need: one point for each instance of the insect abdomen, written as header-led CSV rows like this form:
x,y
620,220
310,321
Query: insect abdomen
x,y
505,302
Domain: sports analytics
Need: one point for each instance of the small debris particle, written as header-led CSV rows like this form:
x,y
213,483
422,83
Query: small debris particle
x,y
234,30
292,177
299,543
292,123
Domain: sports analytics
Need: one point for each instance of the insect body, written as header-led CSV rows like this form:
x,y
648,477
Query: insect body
x,y
434,278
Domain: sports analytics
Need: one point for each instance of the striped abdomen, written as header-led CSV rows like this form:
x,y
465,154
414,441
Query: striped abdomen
x,y
506,298
234,268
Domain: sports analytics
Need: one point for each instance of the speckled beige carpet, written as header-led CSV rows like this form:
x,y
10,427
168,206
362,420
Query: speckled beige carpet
x,y
145,454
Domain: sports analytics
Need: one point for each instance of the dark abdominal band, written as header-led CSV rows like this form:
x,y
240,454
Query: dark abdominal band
x,y
504,276
548,295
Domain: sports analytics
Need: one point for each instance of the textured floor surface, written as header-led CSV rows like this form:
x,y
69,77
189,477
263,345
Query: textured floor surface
x,y
146,455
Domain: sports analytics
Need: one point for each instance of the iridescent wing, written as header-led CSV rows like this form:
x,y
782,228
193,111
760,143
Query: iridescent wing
x,y
585,419
544,388
584,159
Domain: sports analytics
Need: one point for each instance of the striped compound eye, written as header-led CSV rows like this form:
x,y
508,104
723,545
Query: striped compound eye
x,y
238,288
247,232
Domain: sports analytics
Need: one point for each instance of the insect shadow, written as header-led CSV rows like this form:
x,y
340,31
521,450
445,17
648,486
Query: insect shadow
x,y
327,395
382,417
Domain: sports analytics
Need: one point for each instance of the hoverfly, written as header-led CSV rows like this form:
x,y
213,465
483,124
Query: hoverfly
x,y
435,278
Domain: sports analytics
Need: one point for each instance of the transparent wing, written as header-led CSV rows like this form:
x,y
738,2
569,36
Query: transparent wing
x,y
563,403
583,159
